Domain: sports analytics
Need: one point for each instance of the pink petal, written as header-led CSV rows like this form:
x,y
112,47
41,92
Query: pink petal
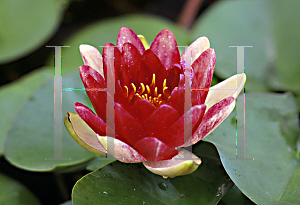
x,y
127,35
92,81
92,58
165,47
182,164
128,128
183,87
230,87
194,50
141,110
203,68
82,133
160,120
154,150
212,119
174,136
122,151
93,121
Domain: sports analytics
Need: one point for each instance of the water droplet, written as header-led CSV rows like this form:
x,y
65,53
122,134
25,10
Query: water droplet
x,y
104,192
163,186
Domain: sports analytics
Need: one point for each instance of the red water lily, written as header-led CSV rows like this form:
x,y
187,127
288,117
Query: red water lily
x,y
150,104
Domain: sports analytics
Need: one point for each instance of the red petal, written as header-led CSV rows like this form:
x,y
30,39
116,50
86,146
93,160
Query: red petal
x,y
93,121
130,59
154,150
174,136
150,60
173,76
183,86
203,68
160,120
165,47
93,80
141,110
128,128
212,119
127,35
115,55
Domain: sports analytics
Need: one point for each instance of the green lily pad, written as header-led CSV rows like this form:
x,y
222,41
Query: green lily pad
x,y
237,23
31,138
26,25
100,33
98,162
285,73
271,131
14,95
121,183
14,193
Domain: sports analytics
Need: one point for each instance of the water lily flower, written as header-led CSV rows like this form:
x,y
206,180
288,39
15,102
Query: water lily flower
x,y
150,109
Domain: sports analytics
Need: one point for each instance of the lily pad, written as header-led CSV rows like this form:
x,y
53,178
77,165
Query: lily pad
x,y
14,95
26,25
98,162
100,33
239,23
119,183
14,193
271,131
31,138
285,73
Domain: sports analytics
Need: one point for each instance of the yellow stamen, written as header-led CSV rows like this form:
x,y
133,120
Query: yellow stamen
x,y
133,91
148,90
146,96
126,91
155,91
152,85
159,97
166,91
138,96
165,83
142,88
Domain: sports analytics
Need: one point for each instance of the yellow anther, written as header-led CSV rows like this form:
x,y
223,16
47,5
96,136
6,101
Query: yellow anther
x,y
133,91
159,97
166,91
165,83
148,90
138,96
155,91
152,85
175,88
142,88
126,91
150,98
146,96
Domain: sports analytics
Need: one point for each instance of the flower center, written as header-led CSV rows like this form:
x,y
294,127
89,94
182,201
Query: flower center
x,y
148,92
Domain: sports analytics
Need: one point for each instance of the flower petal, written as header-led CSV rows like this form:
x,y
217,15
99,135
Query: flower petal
x,y
122,151
164,46
110,51
154,150
92,81
130,59
160,120
93,121
230,87
212,119
177,166
127,127
127,35
141,110
195,49
203,68
82,133
174,136
92,58
150,61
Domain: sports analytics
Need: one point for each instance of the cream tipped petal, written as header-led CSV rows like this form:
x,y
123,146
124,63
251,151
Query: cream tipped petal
x,y
92,58
194,50
82,133
122,151
182,164
230,87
